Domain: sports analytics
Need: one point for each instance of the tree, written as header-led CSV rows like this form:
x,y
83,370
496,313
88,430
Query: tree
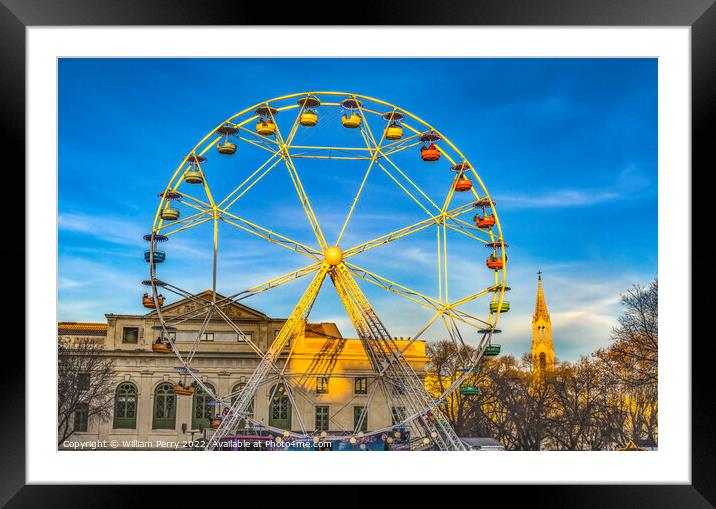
x,y
633,359
85,385
634,352
597,403
445,361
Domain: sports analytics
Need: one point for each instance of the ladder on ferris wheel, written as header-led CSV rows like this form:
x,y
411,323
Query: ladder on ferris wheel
x,y
415,394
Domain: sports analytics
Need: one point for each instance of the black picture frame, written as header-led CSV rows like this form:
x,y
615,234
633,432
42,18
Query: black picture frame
x,y
700,15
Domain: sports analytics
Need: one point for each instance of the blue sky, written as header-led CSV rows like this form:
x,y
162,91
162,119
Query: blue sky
x,y
566,147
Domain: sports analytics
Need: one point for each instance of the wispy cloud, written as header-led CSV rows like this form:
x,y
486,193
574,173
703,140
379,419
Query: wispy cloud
x,y
627,185
102,227
560,198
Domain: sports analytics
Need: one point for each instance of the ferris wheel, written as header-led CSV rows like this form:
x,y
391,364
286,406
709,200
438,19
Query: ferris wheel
x,y
288,141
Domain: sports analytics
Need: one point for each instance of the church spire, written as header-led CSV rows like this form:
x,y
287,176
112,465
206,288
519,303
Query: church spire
x,y
541,303
542,347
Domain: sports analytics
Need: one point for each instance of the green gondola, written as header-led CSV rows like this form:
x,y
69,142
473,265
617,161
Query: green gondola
x,y
503,309
492,350
170,214
227,148
469,390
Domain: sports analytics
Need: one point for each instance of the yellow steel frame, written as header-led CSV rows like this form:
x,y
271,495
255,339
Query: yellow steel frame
x,y
379,155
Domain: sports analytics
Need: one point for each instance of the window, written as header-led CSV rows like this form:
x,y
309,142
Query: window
x,y
83,381
243,424
201,410
275,333
357,411
164,407
171,335
130,335
542,361
81,417
398,414
321,418
247,336
280,408
322,385
207,336
360,385
125,406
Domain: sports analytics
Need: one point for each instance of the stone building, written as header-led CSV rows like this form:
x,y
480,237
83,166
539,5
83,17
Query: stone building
x,y
146,409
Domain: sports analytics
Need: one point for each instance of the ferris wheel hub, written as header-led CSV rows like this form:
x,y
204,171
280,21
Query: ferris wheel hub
x,y
333,255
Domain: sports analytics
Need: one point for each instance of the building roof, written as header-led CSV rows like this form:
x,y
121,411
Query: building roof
x,y
90,328
229,306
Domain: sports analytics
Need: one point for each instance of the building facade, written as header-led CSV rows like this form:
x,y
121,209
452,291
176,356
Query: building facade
x,y
329,397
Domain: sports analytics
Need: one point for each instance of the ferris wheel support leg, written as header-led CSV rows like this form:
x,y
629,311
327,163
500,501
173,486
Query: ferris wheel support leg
x,y
381,346
292,327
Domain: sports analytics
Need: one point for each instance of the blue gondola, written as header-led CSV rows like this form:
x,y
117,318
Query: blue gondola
x,y
468,370
159,256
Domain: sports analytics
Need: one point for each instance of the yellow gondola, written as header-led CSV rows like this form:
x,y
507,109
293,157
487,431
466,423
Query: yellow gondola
x,y
350,121
309,118
393,132
266,127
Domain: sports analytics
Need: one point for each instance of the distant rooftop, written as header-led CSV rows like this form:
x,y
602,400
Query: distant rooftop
x,y
81,328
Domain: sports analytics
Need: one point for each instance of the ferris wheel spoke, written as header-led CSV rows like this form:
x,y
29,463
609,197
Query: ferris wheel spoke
x,y
418,297
402,144
196,222
258,140
391,237
305,203
250,181
412,197
413,184
375,150
464,225
196,203
263,146
224,302
296,180
266,234
395,288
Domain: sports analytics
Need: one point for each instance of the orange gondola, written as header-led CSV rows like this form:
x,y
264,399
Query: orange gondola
x,y
429,151
215,422
180,390
148,301
161,348
463,184
486,221
493,262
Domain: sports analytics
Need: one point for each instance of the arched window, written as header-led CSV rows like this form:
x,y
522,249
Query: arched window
x,y
250,410
279,408
164,407
201,410
125,406
542,361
